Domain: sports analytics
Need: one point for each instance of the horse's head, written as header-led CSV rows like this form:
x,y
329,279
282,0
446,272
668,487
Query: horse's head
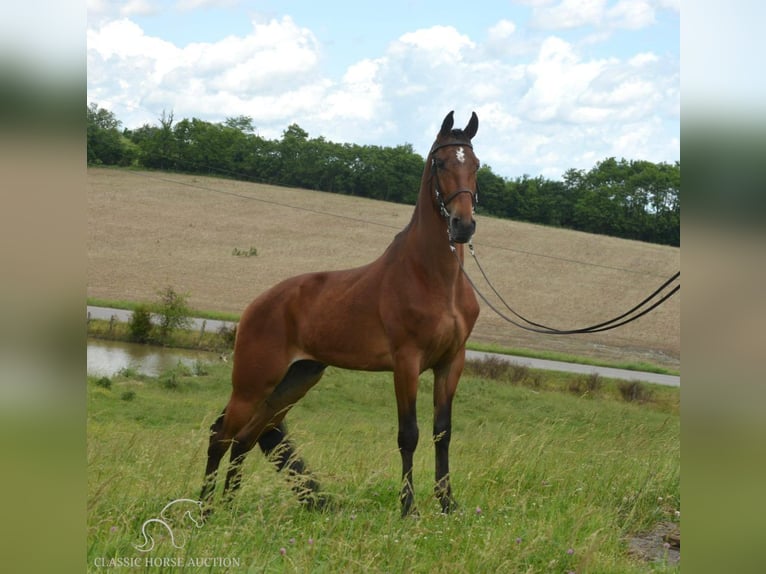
x,y
453,172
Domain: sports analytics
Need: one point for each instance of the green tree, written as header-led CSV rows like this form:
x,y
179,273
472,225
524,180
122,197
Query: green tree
x,y
157,144
632,199
106,145
172,312
494,195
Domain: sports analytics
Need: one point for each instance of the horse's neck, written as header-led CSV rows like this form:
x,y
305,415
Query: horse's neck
x,y
427,237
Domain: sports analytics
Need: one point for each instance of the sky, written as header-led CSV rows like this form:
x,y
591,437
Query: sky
x,y
556,84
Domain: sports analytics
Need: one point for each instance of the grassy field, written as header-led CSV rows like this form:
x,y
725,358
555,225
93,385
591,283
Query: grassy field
x,y
547,481
223,242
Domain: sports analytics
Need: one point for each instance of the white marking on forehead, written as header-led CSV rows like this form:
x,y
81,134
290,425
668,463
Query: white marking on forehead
x,y
460,155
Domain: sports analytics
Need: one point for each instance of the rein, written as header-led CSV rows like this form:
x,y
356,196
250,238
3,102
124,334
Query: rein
x,y
648,304
613,323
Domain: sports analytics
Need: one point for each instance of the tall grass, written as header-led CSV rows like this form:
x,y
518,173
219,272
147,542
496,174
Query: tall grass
x,y
546,481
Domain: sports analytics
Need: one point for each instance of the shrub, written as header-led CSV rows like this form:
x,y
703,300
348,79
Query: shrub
x,y
635,392
521,373
228,335
128,395
170,381
140,324
585,384
489,368
104,383
199,368
252,252
129,373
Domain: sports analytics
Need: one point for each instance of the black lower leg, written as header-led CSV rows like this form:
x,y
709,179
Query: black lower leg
x,y
408,442
442,437
281,452
215,451
234,476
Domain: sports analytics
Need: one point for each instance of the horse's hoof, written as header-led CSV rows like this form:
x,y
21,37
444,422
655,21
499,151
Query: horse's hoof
x,y
317,502
449,506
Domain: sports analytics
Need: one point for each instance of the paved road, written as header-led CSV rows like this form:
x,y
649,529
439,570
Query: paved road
x,y
668,380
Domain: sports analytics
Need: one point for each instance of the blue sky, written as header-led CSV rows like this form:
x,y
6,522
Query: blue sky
x,y
557,84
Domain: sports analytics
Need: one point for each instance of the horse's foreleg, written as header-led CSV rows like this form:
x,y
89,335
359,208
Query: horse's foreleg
x,y
442,437
445,384
406,386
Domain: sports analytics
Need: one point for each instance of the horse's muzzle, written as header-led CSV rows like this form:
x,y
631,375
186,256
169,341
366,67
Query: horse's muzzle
x,y
461,231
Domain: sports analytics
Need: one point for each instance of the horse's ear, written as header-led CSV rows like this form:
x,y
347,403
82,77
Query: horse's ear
x,y
472,127
446,128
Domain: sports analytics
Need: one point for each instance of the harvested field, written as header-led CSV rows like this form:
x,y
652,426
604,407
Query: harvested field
x,y
149,230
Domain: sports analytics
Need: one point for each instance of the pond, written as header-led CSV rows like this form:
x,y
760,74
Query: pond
x,y
107,358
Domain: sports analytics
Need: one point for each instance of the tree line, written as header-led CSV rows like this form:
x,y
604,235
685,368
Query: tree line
x,y
632,199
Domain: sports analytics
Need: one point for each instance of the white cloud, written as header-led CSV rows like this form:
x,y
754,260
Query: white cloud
x,y
195,4
558,78
624,14
137,8
569,14
643,59
503,30
275,58
631,14
439,44
358,96
540,111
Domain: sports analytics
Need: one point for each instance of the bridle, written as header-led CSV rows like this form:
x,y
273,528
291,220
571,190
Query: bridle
x,y
440,199
644,307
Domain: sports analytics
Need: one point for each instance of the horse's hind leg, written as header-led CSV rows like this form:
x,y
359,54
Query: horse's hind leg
x,y
267,419
215,451
281,452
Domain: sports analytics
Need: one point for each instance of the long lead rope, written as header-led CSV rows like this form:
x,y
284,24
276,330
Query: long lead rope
x,y
613,323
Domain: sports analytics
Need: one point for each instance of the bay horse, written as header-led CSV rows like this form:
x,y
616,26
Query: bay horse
x,y
408,311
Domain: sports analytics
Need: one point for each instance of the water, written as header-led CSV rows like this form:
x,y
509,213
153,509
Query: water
x,y
107,358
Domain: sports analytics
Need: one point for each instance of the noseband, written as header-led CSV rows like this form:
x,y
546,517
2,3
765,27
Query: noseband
x,y
442,201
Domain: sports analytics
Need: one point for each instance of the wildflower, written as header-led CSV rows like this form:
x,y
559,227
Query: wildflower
x,y
311,541
292,541
518,541
570,551
283,551
478,510
113,529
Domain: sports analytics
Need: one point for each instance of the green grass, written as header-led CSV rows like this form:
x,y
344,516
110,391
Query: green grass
x,y
547,481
